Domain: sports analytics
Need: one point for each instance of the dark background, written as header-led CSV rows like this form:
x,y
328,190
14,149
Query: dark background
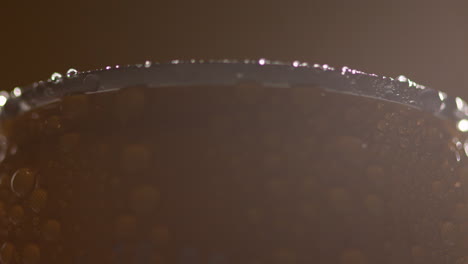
x,y
424,40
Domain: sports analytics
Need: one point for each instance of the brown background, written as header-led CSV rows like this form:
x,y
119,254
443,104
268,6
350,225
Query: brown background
x,y
425,40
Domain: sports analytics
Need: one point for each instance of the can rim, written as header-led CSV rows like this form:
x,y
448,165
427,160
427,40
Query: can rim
x,y
268,73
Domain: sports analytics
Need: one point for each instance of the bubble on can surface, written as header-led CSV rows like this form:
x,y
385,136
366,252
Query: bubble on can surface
x,y
38,200
51,230
31,254
7,253
16,214
23,181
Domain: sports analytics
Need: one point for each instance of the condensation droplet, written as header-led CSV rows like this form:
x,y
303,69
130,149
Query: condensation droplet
x,y
296,64
148,64
108,67
16,214
23,181
51,230
462,125
382,125
17,92
56,77
261,61
344,70
31,254
7,252
402,78
442,96
72,73
461,105
38,200
4,96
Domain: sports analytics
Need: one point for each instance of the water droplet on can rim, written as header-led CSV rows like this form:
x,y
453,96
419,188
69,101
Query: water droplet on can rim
x,y
72,73
402,78
56,77
296,64
148,64
344,70
4,96
442,96
462,125
16,92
